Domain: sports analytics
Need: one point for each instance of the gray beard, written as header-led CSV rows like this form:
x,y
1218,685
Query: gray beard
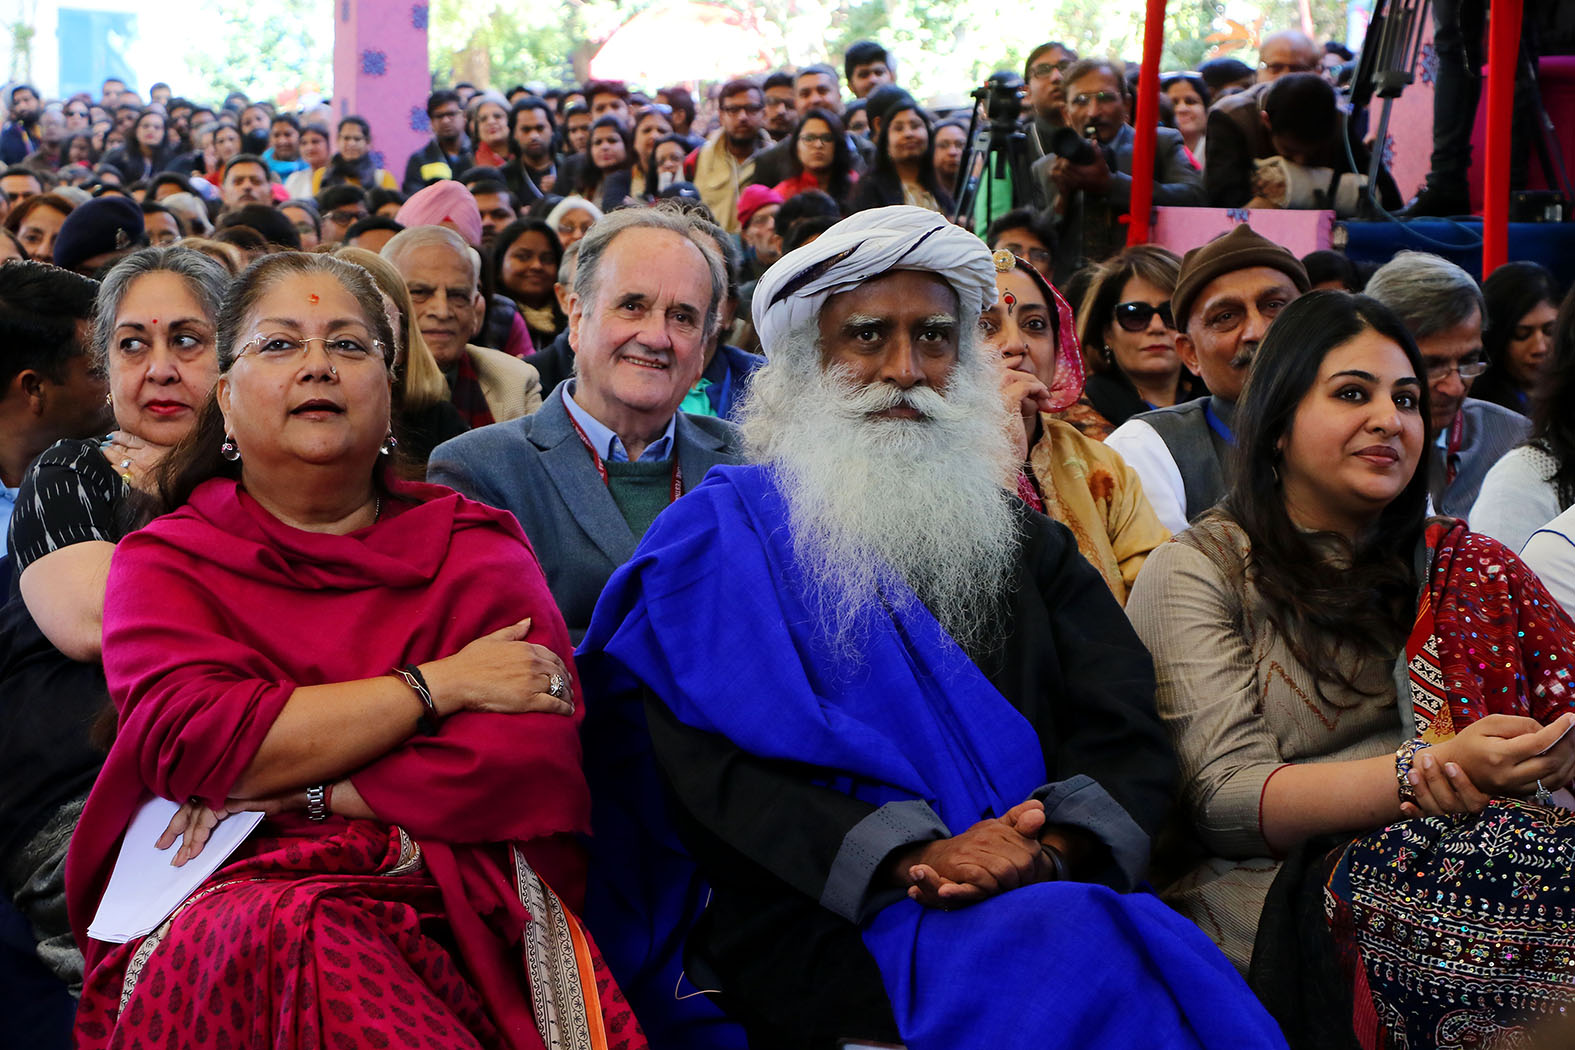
x,y
878,506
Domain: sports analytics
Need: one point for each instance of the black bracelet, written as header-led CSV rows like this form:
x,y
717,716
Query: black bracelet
x,y
1057,861
428,722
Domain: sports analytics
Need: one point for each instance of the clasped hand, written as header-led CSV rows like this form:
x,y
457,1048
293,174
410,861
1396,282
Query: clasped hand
x,y
1498,755
989,858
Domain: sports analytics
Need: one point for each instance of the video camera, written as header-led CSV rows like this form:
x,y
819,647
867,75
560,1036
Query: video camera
x,y
1002,98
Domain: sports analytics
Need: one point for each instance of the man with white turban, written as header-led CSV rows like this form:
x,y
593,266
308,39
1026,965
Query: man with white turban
x,y
902,740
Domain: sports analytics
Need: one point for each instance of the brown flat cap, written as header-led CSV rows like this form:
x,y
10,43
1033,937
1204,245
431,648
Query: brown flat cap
x,y
1240,249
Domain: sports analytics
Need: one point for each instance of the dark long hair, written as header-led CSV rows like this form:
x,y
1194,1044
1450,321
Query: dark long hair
x,y
1322,609
886,172
195,458
593,180
1510,293
1553,404
839,182
505,240
651,180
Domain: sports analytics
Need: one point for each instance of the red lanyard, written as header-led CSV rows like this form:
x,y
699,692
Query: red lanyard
x,y
1457,433
601,468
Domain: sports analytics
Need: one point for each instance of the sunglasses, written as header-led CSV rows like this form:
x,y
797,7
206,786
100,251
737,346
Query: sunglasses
x,y
1135,316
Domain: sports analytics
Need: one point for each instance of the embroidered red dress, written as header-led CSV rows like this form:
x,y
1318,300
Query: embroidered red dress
x,y
447,923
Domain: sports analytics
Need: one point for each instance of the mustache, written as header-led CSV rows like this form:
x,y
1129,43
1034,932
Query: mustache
x,y
1244,356
860,401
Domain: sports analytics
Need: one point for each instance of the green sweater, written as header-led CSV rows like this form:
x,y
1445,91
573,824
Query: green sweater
x,y
641,490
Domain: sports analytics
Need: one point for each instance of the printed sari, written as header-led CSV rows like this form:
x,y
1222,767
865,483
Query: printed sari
x,y
1455,931
448,922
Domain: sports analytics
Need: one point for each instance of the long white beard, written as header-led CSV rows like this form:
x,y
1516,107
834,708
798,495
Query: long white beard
x,y
876,502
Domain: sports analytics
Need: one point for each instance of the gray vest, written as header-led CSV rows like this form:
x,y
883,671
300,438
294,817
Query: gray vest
x,y
1198,450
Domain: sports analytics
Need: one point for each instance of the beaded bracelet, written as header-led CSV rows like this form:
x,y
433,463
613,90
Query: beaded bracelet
x,y
1405,755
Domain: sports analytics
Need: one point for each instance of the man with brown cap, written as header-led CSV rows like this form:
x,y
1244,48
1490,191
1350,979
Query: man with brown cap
x,y
1229,292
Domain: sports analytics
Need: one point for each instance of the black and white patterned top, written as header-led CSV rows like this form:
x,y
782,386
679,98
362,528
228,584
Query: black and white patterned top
x,y
71,494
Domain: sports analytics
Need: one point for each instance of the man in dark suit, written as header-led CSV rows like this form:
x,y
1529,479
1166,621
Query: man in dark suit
x,y
609,450
1089,199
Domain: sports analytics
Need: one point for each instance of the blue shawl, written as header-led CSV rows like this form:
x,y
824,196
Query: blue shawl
x,y
708,617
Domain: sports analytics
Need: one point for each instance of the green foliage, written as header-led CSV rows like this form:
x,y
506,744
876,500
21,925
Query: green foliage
x,y
267,50
943,46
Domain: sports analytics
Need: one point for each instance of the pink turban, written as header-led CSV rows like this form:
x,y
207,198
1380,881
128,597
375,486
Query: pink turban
x,y
445,203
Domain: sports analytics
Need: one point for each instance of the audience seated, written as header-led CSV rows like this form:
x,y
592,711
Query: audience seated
x,y
864,634
419,828
49,388
1228,294
609,449
1532,484
1065,475
1443,309
1522,302
153,342
443,274
1274,624
555,362
1130,337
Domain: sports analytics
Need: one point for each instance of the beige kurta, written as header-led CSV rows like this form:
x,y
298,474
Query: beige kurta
x,y
1239,705
1089,488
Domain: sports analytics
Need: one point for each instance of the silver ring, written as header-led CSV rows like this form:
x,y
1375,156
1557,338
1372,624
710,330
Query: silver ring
x,y
125,464
557,688
1542,795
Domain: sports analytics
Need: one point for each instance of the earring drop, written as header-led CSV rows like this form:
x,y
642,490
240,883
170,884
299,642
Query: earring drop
x,y
389,443
229,450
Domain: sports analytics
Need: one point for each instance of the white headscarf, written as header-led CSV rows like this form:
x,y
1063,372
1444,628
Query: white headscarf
x,y
864,246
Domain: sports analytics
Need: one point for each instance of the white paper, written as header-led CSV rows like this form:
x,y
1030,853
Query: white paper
x,y
145,888
1567,727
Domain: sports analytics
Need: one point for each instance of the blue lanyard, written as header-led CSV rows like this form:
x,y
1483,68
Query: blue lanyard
x,y
1217,424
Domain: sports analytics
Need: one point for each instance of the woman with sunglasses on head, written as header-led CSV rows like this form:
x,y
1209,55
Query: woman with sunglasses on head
x,y
1367,706
374,665
1071,478
1129,338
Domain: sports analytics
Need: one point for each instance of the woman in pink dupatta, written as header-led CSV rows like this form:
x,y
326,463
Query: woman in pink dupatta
x,y
416,877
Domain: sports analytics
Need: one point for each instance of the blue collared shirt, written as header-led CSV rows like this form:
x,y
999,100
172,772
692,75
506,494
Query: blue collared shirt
x,y
607,444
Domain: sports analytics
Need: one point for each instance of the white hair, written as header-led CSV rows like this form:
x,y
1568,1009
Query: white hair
x,y
408,240
877,505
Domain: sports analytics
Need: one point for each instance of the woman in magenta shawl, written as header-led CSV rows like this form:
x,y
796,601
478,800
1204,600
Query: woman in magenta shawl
x,y
379,668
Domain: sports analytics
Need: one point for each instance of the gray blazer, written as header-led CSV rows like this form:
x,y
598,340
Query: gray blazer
x,y
537,469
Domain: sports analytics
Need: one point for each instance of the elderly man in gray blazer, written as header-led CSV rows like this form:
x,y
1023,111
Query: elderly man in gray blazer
x,y
609,450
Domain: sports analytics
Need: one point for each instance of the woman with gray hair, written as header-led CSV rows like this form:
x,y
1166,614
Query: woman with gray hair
x,y
154,339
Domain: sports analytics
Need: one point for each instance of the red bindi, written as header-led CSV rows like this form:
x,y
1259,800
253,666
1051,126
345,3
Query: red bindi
x,y
312,298
1009,299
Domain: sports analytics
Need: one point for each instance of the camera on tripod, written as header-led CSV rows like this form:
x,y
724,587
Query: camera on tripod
x,y
1002,98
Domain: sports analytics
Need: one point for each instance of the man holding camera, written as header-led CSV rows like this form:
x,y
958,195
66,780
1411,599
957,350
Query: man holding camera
x,y
1087,170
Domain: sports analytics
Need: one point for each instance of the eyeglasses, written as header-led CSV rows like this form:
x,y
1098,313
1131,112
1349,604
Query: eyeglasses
x,y
1280,69
743,107
815,139
655,107
1104,98
1042,70
1135,316
1468,369
279,349
1039,258
345,218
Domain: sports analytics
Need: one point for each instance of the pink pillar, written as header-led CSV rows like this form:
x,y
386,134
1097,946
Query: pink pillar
x,y
381,73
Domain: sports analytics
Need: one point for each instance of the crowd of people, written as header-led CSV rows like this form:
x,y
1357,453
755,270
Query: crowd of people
x,y
662,576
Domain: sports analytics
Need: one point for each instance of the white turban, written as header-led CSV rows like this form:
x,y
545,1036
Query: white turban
x,y
864,246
